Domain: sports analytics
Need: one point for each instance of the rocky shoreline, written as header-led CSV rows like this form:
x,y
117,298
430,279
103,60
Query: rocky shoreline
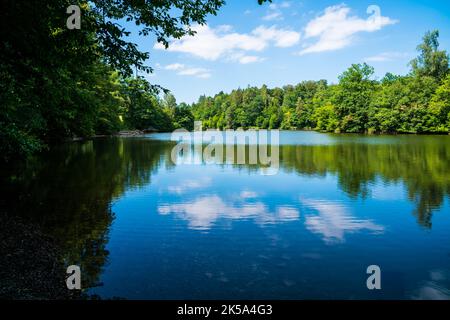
x,y
31,267
130,133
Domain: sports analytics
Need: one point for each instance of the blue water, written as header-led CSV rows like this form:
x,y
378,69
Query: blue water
x,y
218,231
142,227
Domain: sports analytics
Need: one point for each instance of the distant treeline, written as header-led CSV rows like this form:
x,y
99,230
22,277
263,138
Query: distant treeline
x,y
416,103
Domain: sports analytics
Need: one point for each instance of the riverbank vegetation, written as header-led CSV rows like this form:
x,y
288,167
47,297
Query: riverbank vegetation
x,y
416,103
58,84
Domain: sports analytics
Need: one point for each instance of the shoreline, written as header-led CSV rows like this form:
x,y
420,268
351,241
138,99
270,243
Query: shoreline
x,y
142,133
31,264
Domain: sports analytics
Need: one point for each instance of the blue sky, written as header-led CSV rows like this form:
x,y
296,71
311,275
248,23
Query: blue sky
x,y
291,41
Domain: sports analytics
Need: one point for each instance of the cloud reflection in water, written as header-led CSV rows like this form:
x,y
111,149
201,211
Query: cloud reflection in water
x,y
202,212
333,221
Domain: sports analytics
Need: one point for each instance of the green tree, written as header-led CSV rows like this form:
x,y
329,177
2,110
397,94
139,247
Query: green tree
x,y
352,97
169,103
431,62
326,118
58,83
143,109
396,104
440,106
183,117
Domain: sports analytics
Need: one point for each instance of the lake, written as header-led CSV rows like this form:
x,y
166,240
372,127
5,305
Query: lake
x,y
143,227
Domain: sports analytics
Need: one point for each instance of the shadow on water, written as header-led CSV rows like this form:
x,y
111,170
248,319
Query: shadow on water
x,y
68,192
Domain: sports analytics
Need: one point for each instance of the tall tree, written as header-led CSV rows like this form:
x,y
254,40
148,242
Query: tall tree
x,y
353,96
431,61
51,87
169,103
440,106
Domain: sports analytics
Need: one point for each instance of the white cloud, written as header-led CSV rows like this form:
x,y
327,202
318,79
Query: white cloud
x,y
274,12
244,59
174,66
247,194
193,72
224,28
204,75
189,71
211,44
274,15
220,43
250,59
387,56
335,28
281,38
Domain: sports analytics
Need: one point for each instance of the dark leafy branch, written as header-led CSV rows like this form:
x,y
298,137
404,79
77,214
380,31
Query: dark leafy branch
x,y
58,83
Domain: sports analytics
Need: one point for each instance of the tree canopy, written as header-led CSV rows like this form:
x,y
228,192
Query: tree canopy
x,y
58,83
358,103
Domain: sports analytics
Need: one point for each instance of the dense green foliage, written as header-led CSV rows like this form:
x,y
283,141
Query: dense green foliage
x,y
416,103
57,83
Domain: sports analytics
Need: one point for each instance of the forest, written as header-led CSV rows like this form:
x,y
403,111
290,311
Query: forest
x,y
59,84
415,103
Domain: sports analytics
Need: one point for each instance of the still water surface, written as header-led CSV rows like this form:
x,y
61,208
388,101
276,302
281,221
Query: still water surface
x,y
142,227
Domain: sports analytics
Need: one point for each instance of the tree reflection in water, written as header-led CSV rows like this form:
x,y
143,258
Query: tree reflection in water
x,y
70,189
